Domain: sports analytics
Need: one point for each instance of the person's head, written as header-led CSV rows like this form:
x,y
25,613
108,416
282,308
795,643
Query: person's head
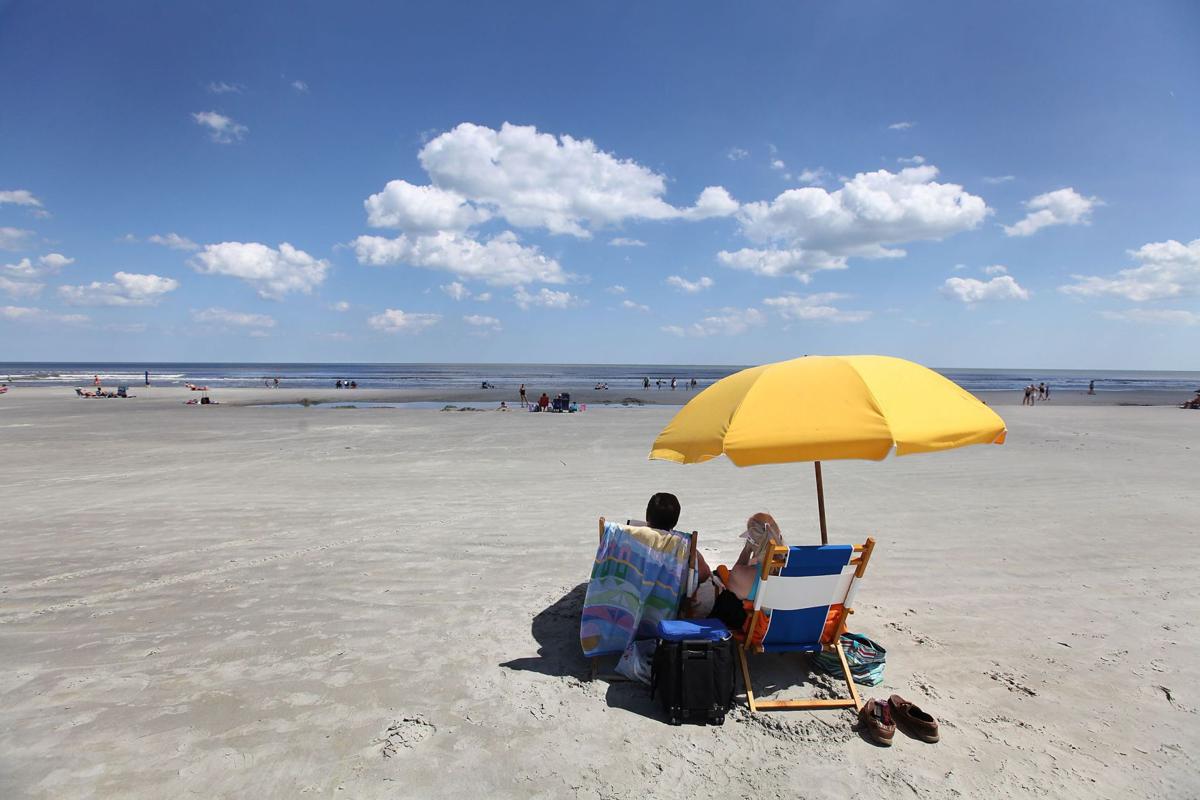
x,y
760,529
662,512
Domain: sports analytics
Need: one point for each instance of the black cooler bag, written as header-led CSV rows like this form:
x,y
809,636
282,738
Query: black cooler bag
x,y
692,674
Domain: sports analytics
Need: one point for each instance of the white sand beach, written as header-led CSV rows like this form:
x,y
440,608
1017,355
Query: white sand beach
x,y
234,601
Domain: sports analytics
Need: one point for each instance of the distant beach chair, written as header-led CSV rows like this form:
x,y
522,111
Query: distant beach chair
x,y
123,391
802,600
607,621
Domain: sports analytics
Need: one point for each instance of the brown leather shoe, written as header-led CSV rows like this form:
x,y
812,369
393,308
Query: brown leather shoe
x,y
912,720
875,720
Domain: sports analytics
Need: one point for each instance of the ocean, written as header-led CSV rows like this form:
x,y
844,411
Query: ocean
x,y
551,377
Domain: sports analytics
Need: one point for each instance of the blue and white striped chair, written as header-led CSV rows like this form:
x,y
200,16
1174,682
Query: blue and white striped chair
x,y
802,598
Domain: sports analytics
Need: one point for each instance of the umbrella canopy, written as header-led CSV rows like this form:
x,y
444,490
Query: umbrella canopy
x,y
827,407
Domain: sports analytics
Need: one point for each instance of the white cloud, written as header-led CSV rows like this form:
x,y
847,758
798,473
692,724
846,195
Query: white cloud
x,y
483,297
500,261
811,228
1154,316
725,322
545,298
995,269
915,161
997,179
26,269
272,272
19,197
1060,207
972,290
221,129
455,291
20,288
221,316
777,164
621,241
337,336
53,262
712,202
14,238
901,126
562,184
814,307
26,314
221,87
393,320
689,287
173,241
300,86
483,322
415,209
616,289
632,306
1167,269
812,177
128,289
736,154
340,305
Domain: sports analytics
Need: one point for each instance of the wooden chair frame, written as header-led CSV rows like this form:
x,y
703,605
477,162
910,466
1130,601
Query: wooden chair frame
x,y
684,597
773,558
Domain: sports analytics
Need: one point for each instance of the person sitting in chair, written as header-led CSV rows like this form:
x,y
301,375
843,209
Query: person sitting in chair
x,y
662,513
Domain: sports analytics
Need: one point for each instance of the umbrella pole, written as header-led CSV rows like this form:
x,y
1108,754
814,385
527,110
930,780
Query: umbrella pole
x,y
821,502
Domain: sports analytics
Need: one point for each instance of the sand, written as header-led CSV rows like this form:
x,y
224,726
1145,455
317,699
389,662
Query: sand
x,y
234,601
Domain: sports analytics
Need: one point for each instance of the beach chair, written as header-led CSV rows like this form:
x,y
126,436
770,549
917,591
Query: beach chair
x,y
802,598
689,586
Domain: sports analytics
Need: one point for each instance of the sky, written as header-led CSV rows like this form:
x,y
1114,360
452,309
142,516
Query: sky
x,y
962,184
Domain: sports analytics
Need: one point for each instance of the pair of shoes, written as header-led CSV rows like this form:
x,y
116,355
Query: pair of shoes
x,y
879,719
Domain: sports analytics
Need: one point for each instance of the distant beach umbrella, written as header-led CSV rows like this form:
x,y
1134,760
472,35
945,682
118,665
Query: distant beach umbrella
x,y
820,408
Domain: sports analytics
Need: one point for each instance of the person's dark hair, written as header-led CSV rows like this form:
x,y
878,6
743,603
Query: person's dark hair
x,y
662,511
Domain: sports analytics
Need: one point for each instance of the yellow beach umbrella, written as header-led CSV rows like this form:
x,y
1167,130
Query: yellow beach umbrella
x,y
819,408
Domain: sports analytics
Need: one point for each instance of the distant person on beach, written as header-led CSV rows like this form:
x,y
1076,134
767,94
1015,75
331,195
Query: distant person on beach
x,y
658,383
1028,401
645,383
544,401
1091,387
277,383
266,383
503,406
95,380
1047,387
147,377
338,385
672,384
1042,391
353,384
524,400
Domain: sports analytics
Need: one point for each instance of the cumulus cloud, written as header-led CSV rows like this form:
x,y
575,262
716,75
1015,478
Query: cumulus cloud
x,y
14,238
810,229
127,289
1060,207
27,314
221,87
995,269
173,241
500,261
483,322
737,154
221,316
689,287
814,307
632,306
545,298
616,289
273,272
1154,316
778,164
28,270
972,290
300,87
455,291
221,129
901,126
19,197
621,241
414,209
15,288
563,184
393,320
340,305
912,160
725,322
812,177
1167,269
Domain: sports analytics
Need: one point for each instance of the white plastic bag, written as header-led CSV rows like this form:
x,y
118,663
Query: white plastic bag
x,y
637,659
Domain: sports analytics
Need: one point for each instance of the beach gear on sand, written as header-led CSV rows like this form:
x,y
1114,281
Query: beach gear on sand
x,y
638,578
912,720
805,595
865,657
693,673
827,407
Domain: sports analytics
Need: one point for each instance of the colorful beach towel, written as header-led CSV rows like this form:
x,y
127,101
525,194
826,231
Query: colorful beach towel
x,y
637,579
866,659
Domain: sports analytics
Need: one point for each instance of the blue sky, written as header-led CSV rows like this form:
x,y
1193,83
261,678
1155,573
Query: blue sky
x,y
957,184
